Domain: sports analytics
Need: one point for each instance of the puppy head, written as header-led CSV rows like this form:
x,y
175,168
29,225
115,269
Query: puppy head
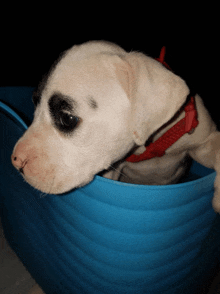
x,y
80,126
92,111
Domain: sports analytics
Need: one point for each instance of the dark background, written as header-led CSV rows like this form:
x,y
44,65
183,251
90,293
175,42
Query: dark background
x,y
29,48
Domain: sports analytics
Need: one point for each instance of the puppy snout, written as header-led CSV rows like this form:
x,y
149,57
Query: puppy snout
x,y
18,161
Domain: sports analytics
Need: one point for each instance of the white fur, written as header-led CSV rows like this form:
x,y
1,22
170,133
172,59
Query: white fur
x,y
56,163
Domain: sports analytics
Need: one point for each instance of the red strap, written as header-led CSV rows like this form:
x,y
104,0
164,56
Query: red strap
x,y
186,125
162,56
158,148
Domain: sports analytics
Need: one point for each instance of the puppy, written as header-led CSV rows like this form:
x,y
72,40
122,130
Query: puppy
x,y
100,104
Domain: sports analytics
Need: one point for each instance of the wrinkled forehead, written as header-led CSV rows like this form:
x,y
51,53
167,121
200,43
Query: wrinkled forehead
x,y
91,81
76,79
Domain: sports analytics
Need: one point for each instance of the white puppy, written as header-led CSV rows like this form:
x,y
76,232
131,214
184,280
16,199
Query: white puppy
x,y
99,104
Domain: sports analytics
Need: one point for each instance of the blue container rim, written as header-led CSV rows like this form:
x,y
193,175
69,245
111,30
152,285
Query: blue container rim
x,y
209,179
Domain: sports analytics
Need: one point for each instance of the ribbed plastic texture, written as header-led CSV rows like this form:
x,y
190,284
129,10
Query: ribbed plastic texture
x,y
107,237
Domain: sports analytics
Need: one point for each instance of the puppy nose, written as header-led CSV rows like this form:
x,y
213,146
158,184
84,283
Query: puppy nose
x,y
18,163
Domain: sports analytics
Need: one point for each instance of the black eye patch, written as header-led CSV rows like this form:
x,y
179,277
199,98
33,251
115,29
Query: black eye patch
x,y
61,109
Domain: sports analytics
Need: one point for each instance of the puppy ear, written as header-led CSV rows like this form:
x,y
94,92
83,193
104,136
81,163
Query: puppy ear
x,y
155,93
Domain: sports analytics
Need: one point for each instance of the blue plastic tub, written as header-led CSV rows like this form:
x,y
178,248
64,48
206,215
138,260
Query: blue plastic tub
x,y
107,237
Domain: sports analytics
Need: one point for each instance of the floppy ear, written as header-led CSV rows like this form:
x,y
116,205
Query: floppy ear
x,y
156,94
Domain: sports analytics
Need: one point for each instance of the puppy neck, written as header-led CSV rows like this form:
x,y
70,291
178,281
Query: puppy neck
x,y
178,116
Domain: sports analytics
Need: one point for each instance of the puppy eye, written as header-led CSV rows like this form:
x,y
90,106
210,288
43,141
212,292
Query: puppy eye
x,y
68,121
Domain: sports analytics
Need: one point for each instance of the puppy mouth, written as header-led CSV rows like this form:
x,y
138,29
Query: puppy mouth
x,y
21,170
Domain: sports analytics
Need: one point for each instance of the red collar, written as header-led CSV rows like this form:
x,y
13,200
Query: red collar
x,y
158,148
186,125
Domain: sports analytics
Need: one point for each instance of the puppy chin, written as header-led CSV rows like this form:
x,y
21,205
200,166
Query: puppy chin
x,y
58,188
63,190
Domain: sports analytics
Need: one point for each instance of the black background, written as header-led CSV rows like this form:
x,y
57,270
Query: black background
x,y
29,47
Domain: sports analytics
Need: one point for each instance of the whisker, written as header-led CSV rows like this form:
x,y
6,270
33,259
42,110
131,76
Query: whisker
x,y
118,171
43,195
